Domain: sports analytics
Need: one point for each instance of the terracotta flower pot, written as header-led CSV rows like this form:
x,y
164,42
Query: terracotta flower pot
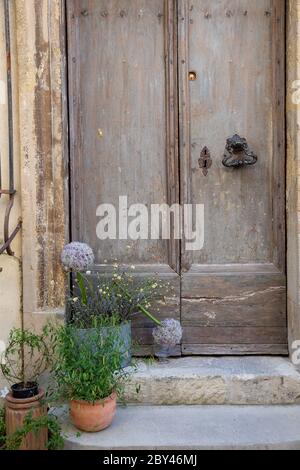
x,y
16,411
89,417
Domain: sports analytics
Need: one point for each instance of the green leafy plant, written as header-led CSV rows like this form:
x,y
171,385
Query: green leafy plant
x,y
88,370
31,425
26,357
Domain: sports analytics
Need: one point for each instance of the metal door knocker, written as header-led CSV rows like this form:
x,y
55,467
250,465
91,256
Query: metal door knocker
x,y
238,153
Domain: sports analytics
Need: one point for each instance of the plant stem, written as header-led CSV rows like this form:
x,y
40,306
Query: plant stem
x,y
142,309
148,314
82,287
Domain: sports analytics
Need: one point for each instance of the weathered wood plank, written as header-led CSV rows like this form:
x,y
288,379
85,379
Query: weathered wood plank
x,y
235,349
123,119
279,132
142,336
171,57
238,279
232,284
259,310
243,207
124,130
125,137
229,335
147,350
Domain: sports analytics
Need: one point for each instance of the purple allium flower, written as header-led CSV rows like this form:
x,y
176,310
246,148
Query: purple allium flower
x,y
169,334
77,257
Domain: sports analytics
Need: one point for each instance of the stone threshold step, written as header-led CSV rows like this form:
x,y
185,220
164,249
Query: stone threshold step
x,y
194,428
216,381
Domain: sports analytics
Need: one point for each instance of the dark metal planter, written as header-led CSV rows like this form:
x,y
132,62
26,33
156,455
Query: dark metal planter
x,y
123,340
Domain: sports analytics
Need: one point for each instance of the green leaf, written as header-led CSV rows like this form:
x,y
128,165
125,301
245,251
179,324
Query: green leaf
x,y
82,287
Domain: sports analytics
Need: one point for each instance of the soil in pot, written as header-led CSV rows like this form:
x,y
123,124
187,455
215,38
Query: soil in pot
x,y
95,417
16,411
23,391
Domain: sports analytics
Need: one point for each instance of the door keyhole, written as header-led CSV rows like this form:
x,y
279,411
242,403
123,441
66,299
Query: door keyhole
x,y
205,161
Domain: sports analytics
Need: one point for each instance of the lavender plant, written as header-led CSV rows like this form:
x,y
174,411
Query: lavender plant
x,y
119,298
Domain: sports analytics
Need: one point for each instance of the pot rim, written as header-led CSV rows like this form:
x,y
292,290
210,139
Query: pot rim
x,y
24,401
31,385
123,324
112,397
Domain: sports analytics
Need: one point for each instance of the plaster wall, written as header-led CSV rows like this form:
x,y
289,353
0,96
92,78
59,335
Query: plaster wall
x,y
10,267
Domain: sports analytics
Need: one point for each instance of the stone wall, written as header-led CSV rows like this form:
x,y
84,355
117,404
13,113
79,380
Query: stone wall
x,y
43,155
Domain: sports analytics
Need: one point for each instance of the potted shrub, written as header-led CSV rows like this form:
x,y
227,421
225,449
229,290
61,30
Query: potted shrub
x,y
26,357
117,298
89,375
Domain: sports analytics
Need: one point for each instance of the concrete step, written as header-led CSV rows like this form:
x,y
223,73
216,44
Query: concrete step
x,y
216,381
194,428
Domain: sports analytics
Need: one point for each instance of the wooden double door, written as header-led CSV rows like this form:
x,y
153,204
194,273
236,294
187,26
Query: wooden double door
x,y
156,89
